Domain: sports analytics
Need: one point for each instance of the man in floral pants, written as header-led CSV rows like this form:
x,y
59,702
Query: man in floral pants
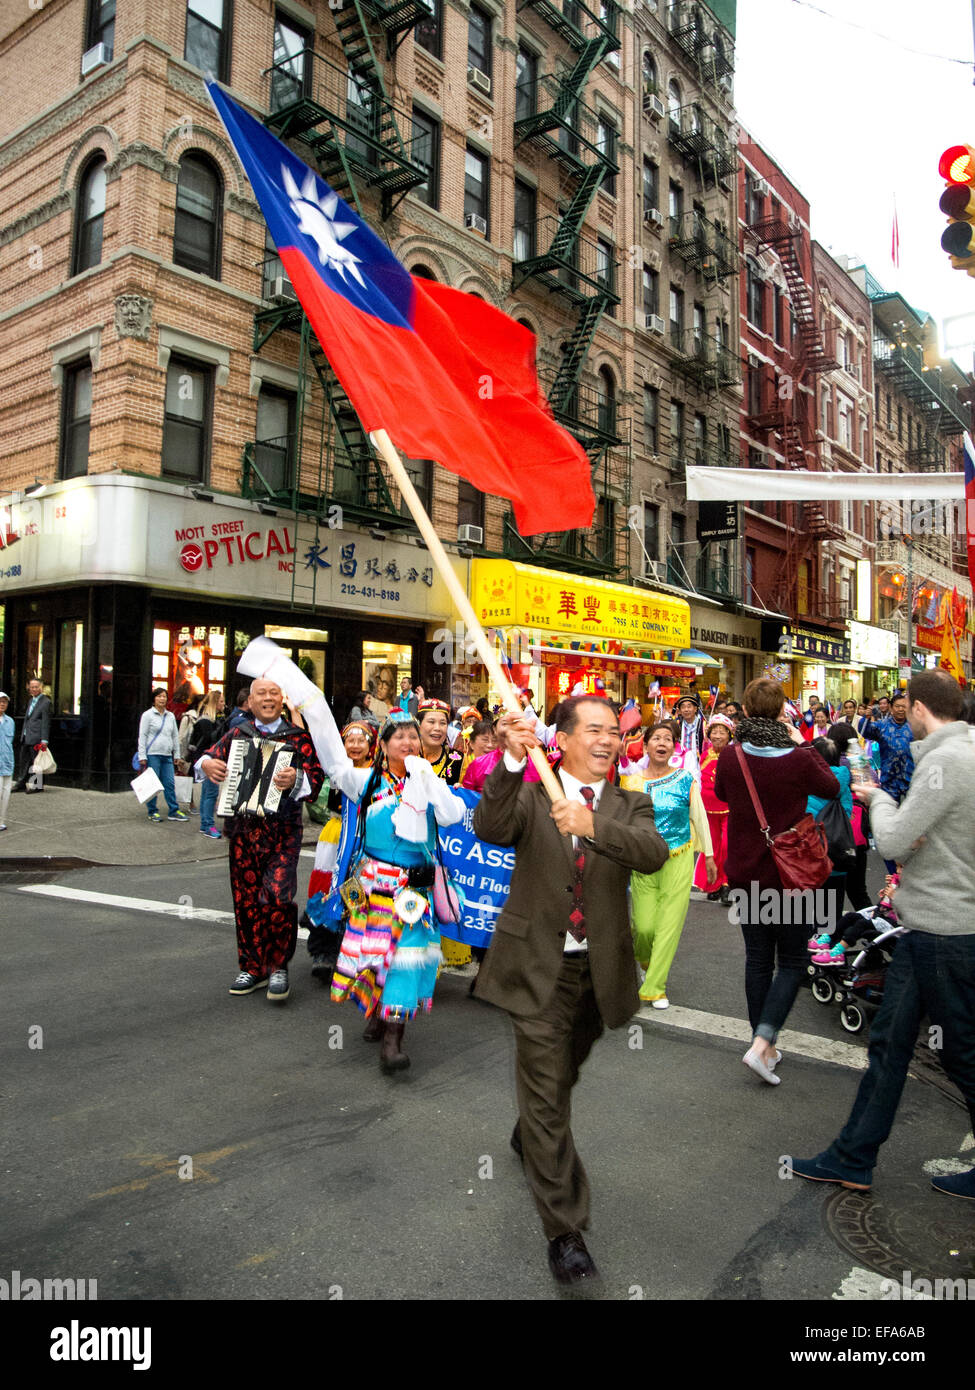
x,y
264,850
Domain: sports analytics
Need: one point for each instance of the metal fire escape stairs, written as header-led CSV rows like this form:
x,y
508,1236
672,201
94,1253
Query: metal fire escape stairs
x,y
812,359
558,126
357,145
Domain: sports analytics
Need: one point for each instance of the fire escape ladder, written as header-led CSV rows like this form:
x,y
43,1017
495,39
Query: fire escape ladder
x,y
575,352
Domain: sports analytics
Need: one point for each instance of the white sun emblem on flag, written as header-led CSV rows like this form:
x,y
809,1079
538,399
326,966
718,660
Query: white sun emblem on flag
x,y
315,218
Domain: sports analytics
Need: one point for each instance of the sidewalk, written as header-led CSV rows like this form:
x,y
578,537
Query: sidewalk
x,y
102,828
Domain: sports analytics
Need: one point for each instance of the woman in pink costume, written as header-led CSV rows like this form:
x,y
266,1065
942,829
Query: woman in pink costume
x,y
720,731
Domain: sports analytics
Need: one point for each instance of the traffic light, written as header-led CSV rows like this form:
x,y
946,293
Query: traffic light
x,y
957,168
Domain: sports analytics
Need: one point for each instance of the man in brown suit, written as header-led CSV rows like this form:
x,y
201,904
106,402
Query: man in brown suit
x,y
561,962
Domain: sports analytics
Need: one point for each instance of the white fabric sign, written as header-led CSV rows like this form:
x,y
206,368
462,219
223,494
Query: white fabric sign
x,y
770,485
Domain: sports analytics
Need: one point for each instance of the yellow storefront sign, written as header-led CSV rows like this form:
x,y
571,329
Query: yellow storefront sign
x,y
506,594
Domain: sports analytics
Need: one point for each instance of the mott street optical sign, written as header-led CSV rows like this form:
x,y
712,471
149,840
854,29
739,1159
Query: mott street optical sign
x,y
717,521
506,594
128,530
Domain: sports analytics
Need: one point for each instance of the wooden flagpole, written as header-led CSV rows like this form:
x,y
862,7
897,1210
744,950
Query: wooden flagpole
x,y
475,631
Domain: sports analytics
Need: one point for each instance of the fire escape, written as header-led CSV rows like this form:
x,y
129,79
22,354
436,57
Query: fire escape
x,y
557,255
784,416
341,120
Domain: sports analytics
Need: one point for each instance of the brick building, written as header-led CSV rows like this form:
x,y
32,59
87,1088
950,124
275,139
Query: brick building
x,y
174,450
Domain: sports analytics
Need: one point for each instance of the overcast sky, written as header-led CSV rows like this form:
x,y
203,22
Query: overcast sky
x,y
855,120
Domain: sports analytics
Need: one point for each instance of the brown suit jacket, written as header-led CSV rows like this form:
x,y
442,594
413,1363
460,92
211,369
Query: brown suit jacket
x,y
522,965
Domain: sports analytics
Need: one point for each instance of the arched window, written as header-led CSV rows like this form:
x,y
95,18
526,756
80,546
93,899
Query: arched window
x,y
90,216
606,393
199,206
674,99
649,74
423,272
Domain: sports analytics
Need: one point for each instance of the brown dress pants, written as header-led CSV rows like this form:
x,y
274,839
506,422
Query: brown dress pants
x,y
551,1047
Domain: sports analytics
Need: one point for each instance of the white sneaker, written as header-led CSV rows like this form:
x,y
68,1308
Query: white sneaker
x,y
663,1003
752,1060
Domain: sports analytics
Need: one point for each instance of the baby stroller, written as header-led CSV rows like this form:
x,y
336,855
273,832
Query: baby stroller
x,y
858,985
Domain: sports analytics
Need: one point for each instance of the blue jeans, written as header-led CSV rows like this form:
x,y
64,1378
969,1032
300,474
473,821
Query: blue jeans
x,y
770,999
929,975
162,766
209,791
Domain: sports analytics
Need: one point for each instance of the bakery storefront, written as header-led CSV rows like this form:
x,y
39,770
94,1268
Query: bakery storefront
x,y
735,643
112,585
561,633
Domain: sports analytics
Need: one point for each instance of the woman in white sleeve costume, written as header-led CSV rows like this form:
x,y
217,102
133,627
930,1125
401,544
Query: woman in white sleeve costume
x,y
390,953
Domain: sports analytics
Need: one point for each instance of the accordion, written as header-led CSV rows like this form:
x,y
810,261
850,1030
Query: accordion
x,y
248,789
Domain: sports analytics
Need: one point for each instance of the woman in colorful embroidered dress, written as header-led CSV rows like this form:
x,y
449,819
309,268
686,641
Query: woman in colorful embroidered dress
x,y
390,953
432,716
660,900
720,731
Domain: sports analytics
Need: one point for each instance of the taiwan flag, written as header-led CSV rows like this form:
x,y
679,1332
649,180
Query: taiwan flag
x,y
446,375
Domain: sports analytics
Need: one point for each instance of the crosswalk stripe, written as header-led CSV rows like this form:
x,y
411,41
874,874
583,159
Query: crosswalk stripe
x,y
792,1043
184,910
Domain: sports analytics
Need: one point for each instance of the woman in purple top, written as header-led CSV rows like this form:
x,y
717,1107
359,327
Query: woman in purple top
x,y
786,771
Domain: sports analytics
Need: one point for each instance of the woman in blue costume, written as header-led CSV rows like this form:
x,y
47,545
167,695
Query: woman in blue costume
x,y
391,949
390,953
660,900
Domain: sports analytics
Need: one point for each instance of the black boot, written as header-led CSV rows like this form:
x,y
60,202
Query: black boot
x,y
375,1028
392,1057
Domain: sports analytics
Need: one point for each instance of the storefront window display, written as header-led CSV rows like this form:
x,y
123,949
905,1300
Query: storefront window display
x,y
189,659
384,664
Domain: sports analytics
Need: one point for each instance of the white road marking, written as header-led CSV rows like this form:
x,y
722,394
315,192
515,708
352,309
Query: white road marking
x,y
164,909
864,1285
942,1167
792,1043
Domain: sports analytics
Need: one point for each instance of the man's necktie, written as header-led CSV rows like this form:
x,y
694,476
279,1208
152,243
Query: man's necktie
x,y
577,918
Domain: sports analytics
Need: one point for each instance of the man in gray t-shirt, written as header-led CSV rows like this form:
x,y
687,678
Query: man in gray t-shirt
x,y
931,834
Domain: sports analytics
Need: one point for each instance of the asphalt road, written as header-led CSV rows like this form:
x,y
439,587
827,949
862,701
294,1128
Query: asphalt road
x,y
172,1142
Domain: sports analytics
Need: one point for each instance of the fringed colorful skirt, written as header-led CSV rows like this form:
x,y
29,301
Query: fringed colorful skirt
x,y
384,962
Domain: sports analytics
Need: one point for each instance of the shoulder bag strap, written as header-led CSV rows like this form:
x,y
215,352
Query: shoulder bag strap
x,y
750,784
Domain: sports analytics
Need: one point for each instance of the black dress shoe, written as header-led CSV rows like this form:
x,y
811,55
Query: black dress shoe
x,y
569,1260
516,1141
19,787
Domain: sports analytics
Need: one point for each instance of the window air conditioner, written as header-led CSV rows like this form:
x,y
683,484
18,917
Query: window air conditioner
x,y
474,222
480,80
470,535
655,569
281,288
760,187
655,324
653,106
96,57
653,217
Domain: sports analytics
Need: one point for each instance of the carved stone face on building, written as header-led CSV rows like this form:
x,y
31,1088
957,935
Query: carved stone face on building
x,y
133,315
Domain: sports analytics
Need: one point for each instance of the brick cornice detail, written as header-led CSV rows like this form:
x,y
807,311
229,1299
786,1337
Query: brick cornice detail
x,y
63,117
138,153
35,218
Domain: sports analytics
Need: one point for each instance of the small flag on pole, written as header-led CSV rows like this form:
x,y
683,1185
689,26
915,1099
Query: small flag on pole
x,y
446,376
895,240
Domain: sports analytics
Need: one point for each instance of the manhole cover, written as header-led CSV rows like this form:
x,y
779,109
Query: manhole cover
x,y
908,1229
